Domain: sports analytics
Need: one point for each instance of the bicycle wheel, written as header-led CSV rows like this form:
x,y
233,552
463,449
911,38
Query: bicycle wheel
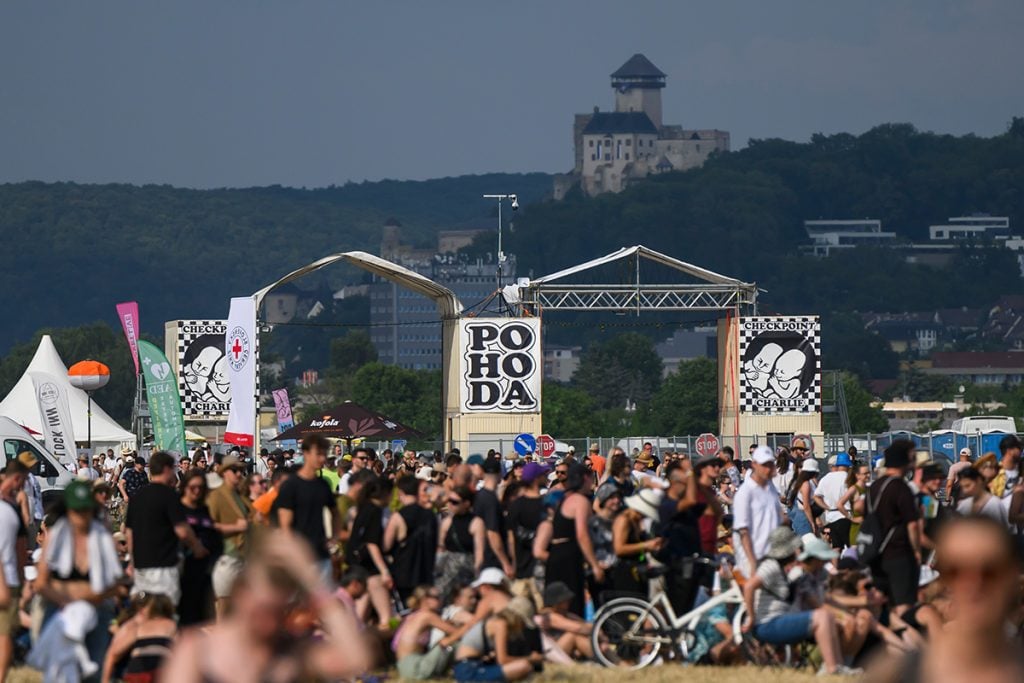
x,y
628,634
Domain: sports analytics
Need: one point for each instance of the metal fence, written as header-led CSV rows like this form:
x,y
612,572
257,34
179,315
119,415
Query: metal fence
x,y
940,445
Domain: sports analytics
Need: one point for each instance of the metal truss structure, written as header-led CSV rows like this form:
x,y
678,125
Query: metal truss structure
x,y
716,292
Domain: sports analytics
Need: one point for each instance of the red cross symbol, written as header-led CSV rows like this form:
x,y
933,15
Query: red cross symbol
x,y
236,348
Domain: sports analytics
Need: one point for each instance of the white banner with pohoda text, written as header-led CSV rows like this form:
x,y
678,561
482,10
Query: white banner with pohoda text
x,y
501,365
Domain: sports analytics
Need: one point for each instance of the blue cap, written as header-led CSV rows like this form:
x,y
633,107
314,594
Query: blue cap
x,y
475,459
843,460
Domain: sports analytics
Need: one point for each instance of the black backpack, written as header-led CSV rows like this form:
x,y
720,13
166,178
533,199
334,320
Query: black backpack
x,y
871,541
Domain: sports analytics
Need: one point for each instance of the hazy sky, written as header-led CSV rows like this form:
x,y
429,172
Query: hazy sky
x,y
210,93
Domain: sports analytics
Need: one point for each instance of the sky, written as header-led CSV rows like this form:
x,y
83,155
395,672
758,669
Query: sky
x,y
302,93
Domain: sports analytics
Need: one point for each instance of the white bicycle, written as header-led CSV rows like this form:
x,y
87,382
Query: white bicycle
x,y
630,632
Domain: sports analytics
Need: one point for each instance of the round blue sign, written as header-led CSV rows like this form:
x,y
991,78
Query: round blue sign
x,y
525,444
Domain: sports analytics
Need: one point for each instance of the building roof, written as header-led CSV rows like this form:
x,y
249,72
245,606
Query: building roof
x,y
611,122
1009,360
638,66
916,406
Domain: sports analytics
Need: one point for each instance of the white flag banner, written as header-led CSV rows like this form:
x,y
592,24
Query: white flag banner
x,y
240,351
56,418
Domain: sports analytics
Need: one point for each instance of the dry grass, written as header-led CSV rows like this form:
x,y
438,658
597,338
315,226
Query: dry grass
x,y
674,672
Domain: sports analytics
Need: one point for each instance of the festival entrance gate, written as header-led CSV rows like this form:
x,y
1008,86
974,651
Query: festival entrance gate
x,y
769,367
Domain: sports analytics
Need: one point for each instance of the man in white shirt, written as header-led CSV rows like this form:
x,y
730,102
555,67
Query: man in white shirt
x,y
360,460
830,489
756,512
111,464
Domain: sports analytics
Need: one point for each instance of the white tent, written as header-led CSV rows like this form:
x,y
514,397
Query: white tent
x,y
21,406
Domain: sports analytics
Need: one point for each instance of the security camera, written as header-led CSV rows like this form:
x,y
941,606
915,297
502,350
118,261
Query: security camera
x,y
515,202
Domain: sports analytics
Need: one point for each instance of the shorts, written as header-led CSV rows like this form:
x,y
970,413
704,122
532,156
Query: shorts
x,y
786,629
9,623
420,667
162,580
897,577
839,533
225,573
477,670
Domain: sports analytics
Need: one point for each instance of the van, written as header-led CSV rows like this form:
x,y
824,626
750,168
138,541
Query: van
x,y
985,424
53,477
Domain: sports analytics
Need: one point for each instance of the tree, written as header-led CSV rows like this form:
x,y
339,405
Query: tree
x,y
865,417
413,397
569,413
348,354
918,386
621,371
687,402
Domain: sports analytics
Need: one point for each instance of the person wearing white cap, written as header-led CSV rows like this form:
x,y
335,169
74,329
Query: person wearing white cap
x,y
953,476
770,602
756,512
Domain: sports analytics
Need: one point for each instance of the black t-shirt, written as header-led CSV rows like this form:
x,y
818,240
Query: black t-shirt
x,y
414,556
680,529
367,527
153,513
524,516
203,527
307,498
486,507
896,508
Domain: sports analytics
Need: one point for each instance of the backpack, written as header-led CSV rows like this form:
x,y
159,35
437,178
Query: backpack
x,y
871,541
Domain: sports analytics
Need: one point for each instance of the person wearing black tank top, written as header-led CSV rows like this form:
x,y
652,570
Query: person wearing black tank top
x,y
462,537
570,542
411,537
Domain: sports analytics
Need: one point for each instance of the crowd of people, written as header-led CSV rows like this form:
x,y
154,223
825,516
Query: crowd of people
x,y
314,564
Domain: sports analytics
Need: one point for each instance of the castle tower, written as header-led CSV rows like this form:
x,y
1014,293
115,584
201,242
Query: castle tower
x,y
638,85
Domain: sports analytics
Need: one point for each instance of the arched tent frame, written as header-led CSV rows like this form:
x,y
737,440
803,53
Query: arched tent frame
x,y
448,305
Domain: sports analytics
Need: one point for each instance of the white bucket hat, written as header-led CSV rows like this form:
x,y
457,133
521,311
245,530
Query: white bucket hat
x,y
646,502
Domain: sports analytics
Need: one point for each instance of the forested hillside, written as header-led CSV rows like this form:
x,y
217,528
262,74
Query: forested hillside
x,y
73,251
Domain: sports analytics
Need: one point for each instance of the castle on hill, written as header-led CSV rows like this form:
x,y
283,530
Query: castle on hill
x,y
614,148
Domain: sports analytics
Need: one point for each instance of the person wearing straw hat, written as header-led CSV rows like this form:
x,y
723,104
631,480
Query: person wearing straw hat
x,y
769,601
631,544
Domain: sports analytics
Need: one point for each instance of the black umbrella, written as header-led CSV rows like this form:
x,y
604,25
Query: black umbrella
x,y
350,421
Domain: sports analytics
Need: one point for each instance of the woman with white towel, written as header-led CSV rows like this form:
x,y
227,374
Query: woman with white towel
x,y
79,569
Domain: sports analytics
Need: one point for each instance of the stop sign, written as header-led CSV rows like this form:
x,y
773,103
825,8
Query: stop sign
x,y
707,444
545,445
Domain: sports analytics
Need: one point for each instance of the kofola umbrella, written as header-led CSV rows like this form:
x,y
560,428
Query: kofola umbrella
x,y
350,421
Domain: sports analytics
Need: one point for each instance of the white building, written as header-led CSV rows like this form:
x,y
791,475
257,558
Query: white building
x,y
831,235
614,148
971,228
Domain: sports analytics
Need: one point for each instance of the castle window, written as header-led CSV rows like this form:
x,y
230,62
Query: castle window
x,y
698,148
593,157
591,143
627,156
607,157
629,142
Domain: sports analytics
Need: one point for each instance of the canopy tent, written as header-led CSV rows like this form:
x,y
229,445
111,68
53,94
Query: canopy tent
x,y
349,421
21,406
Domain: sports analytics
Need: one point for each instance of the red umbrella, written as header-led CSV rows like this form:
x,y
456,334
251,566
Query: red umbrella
x,y
350,421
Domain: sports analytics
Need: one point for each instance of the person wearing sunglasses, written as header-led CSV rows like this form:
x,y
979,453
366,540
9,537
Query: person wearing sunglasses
x,y
462,538
980,568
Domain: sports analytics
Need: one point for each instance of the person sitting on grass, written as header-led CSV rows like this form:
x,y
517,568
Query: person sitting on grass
x,y
769,601
416,658
566,630
486,651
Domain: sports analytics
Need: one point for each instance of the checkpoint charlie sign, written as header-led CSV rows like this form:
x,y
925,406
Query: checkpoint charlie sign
x,y
780,365
501,365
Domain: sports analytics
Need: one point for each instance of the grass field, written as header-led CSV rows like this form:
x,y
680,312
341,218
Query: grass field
x,y
672,672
